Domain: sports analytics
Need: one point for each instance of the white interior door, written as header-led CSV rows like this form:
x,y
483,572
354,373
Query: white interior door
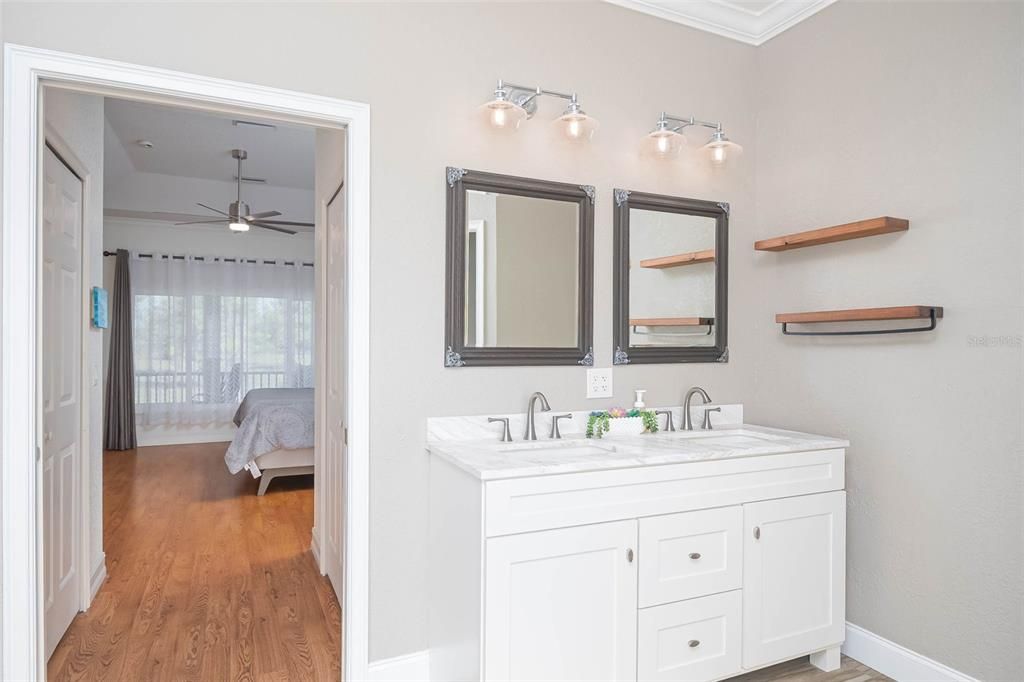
x,y
61,316
336,361
794,577
562,604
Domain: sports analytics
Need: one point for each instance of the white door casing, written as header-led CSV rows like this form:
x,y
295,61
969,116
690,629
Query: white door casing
x,y
26,70
562,604
477,233
333,482
60,394
794,576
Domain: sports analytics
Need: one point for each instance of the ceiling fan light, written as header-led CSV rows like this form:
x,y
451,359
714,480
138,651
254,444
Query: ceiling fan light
x,y
238,226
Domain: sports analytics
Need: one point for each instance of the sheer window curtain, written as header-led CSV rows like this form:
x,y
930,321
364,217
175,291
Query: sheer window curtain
x,y
206,331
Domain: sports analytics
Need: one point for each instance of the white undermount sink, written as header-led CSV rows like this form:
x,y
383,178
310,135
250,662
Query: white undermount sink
x,y
729,437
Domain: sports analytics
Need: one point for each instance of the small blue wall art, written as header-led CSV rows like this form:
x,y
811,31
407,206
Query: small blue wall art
x,y
99,308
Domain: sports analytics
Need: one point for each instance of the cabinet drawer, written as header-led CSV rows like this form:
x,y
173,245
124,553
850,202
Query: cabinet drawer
x,y
690,555
699,639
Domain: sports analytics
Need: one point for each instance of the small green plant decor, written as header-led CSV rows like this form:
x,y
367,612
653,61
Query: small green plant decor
x,y
599,422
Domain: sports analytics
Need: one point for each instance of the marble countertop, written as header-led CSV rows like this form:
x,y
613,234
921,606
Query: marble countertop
x,y
492,460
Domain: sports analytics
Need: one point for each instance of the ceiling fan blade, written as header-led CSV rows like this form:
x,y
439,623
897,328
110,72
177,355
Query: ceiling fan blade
x,y
272,227
215,210
287,222
263,214
203,222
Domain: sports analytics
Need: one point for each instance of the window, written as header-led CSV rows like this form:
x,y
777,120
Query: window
x,y
207,331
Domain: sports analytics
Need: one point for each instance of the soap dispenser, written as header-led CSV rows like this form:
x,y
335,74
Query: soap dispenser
x,y
639,402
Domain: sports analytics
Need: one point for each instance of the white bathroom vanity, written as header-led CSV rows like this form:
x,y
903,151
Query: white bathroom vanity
x,y
687,555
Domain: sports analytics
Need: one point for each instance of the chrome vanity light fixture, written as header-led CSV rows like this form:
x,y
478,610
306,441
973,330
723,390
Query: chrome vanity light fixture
x,y
667,139
514,103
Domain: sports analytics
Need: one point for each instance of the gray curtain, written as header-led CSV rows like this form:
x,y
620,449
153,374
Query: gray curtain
x,y
119,419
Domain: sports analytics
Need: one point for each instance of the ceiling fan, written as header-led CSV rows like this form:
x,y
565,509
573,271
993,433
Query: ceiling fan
x,y
238,217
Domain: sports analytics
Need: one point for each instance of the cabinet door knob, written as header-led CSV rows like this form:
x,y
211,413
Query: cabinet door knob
x,y
757,532
694,643
695,555
629,555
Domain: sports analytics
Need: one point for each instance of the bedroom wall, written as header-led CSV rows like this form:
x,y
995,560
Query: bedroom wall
x,y
909,109
78,122
163,237
424,69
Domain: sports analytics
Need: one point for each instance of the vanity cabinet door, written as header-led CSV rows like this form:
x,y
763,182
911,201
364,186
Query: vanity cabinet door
x,y
794,577
562,604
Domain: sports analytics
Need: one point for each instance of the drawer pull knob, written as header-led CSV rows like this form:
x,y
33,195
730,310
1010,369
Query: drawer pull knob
x,y
629,555
694,643
757,532
695,555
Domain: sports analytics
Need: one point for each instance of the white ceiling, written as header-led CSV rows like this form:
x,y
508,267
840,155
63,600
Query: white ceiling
x,y
749,21
195,144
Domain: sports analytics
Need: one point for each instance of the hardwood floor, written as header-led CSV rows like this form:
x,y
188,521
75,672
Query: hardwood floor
x,y
206,580
801,670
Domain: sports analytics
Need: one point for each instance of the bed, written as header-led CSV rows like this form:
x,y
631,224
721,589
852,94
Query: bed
x,y
274,436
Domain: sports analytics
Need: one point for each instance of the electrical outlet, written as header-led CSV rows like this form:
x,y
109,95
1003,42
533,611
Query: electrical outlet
x,y
599,382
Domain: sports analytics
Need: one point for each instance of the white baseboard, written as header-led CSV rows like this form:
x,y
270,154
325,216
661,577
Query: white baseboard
x,y
896,661
98,576
409,668
314,547
184,435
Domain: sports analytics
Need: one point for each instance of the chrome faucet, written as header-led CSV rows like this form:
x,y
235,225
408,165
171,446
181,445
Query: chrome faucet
x,y
669,425
556,433
687,422
531,429
506,435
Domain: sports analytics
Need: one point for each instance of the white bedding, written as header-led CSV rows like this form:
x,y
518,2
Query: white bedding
x,y
270,419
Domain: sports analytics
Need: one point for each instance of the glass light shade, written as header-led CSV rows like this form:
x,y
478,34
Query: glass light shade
x,y
663,143
577,126
238,226
720,149
502,114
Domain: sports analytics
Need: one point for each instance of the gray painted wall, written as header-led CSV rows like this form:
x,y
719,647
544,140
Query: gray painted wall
x,y
887,94
538,271
911,110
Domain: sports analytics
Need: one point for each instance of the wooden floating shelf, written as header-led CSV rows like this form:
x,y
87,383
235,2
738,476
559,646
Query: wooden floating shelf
x,y
692,258
838,233
672,322
905,312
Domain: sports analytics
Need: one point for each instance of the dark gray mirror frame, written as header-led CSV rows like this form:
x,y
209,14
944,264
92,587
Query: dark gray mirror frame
x,y
626,354
456,353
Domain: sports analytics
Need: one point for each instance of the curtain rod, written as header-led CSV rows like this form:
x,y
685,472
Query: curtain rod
x,y
226,260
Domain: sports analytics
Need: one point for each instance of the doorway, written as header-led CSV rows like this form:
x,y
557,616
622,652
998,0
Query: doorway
x,y
21,477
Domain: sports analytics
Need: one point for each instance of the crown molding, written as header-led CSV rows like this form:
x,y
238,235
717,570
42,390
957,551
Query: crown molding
x,y
723,18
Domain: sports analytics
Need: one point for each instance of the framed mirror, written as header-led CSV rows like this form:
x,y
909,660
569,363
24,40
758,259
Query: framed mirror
x,y
671,279
519,285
